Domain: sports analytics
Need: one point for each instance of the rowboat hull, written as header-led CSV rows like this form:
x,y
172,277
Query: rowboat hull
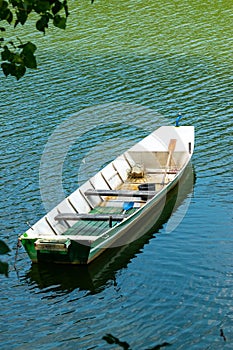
x,y
57,243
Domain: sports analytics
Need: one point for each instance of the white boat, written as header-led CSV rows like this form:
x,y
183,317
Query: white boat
x,y
117,205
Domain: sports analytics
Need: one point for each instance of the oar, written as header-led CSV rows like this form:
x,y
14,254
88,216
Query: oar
x,y
171,149
127,206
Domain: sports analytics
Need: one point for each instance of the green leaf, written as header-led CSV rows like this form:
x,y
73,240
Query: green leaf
x,y
59,22
4,4
6,68
7,55
17,59
3,10
4,249
4,268
5,13
27,54
29,61
19,71
29,47
66,8
16,3
27,5
57,7
9,17
13,69
22,16
41,6
110,339
42,23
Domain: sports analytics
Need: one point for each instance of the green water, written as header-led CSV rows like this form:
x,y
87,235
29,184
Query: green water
x,y
115,58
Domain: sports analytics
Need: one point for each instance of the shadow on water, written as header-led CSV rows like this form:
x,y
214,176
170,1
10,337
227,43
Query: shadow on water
x,y
101,272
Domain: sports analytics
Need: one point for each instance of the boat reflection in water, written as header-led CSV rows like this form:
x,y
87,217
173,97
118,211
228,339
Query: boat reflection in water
x,y
102,271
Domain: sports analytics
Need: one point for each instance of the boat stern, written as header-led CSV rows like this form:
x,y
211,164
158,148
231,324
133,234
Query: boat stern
x,y
56,250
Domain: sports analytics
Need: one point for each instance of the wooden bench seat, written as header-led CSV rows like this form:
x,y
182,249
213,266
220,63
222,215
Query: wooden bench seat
x,y
119,193
61,239
90,217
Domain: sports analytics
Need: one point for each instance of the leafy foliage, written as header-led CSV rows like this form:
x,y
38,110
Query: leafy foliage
x,y
110,339
4,249
17,57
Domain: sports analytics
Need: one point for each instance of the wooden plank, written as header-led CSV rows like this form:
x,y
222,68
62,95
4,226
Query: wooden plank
x,y
119,193
90,217
87,227
64,237
161,171
171,148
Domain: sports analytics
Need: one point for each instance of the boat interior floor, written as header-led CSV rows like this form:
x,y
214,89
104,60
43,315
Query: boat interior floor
x,y
114,204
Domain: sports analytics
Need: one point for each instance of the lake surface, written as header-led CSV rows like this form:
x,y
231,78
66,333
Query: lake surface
x,y
122,68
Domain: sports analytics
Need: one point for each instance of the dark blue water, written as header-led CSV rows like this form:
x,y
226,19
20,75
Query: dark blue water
x,y
173,287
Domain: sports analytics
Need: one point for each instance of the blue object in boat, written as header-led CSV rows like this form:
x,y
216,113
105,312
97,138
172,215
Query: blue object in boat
x,y
127,206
